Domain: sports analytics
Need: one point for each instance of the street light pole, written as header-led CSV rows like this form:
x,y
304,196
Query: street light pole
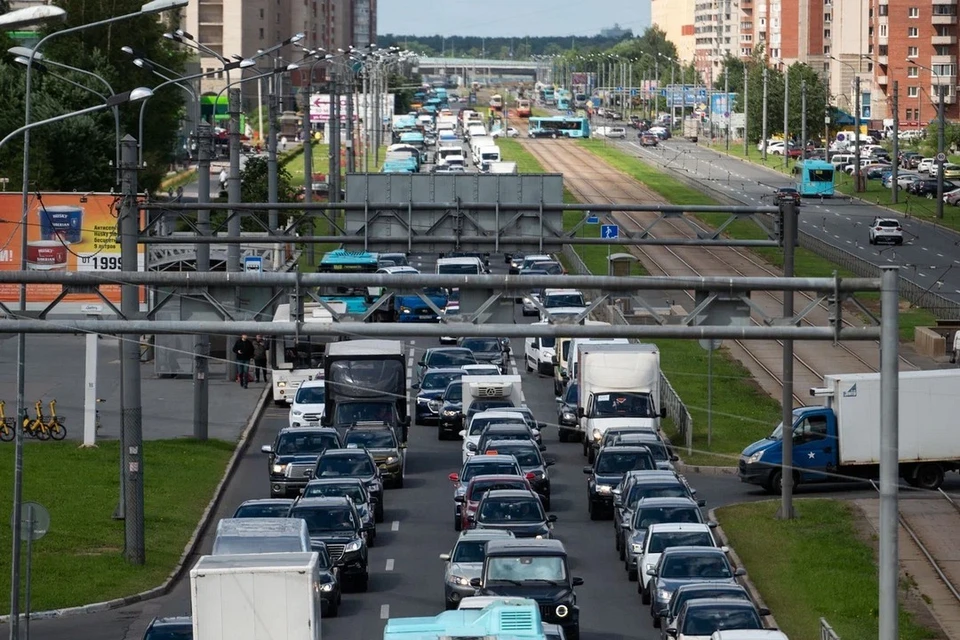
x,y
941,137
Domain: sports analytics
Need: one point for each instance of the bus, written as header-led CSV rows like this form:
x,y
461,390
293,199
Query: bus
x,y
357,300
504,619
496,102
296,359
523,108
563,103
559,126
547,95
816,179
580,101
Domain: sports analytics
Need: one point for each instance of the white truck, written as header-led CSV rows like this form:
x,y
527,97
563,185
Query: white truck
x,y
619,386
502,167
486,153
691,128
256,597
841,440
490,392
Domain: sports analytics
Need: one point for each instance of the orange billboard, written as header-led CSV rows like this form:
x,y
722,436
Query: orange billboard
x,y
65,232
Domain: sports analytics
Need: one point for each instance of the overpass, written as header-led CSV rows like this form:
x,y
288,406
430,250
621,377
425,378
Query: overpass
x,y
482,67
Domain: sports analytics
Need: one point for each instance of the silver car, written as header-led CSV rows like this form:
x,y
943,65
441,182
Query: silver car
x,y
465,562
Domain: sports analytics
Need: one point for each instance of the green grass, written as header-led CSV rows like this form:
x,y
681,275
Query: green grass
x,y
80,560
513,151
811,567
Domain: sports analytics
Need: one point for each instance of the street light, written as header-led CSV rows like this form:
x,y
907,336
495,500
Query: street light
x,y
31,16
856,124
941,139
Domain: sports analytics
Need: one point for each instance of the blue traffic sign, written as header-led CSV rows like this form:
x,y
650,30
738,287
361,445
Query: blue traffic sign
x,y
634,92
593,220
253,264
609,231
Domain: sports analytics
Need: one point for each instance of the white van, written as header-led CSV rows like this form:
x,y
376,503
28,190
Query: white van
x,y
487,154
261,535
445,152
460,266
476,130
840,160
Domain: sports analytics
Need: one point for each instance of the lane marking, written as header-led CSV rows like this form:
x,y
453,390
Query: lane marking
x,y
389,566
395,525
384,611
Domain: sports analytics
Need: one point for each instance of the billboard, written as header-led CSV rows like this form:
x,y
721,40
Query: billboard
x,y
684,96
722,104
65,232
363,107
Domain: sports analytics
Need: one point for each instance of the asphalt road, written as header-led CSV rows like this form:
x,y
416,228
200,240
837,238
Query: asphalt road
x,y
928,256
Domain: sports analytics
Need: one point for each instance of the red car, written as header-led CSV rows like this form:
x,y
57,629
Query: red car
x,y
477,487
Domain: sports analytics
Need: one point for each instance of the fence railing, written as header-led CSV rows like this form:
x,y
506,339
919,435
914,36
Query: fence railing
x,y
826,631
574,260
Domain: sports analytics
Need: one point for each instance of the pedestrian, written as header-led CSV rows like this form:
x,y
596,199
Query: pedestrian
x,y
243,350
259,358
223,179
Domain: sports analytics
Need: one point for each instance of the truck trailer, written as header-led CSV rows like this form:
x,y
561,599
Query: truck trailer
x,y
841,439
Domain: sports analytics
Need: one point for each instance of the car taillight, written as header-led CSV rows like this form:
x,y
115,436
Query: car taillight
x,y
531,476
879,228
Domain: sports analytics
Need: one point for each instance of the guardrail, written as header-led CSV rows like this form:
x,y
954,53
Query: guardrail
x,y
826,631
574,260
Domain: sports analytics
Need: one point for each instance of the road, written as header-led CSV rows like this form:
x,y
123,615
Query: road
x,y
928,257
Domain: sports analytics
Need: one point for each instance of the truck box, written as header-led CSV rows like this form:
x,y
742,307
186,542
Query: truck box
x,y
691,128
256,597
499,388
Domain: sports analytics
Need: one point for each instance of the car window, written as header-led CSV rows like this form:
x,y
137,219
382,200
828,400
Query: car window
x,y
371,439
704,621
353,491
170,632
480,488
646,516
616,462
526,568
573,394
684,595
328,519
433,381
525,456
469,551
310,395
666,539
691,566
477,425
262,511
294,443
640,491
454,393
490,469
510,510
563,300
348,466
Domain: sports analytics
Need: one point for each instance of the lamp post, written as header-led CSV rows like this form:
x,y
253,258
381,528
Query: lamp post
x,y
856,125
941,138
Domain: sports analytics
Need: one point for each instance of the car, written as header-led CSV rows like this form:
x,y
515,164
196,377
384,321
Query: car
x,y
330,592
489,465
478,486
430,391
507,431
465,562
444,357
550,267
690,592
354,463
388,453
451,312
928,188
171,628
514,260
885,230
926,164
652,441
488,351
539,354
356,491
786,194
511,132
951,170
699,619
666,535
451,411
264,508
606,473
685,565
392,260
532,464
293,456
479,422
481,370
646,512
563,299
568,425
528,261
744,634
531,301
517,511
308,404
904,180
542,133
535,569
637,485
648,139
334,521
953,197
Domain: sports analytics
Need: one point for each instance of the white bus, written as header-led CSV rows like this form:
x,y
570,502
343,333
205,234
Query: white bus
x,y
295,359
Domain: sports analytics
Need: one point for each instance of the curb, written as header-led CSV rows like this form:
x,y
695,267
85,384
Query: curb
x,y
177,177
770,621
242,444
705,471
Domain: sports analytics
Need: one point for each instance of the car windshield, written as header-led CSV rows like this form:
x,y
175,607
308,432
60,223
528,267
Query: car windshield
x,y
485,405
454,392
450,359
262,511
526,456
616,462
348,466
170,632
433,381
481,345
666,539
350,412
704,621
477,425
684,595
641,491
469,551
490,469
711,566
327,519
352,490
634,405
306,443
507,569
480,488
646,516
563,300
371,439
310,395
511,511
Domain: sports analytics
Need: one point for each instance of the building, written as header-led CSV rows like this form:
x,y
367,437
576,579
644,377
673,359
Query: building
x,y
675,18
616,31
788,31
716,35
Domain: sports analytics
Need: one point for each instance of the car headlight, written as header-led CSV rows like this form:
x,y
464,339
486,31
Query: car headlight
x,y
423,400
569,415
433,405
375,487
460,581
636,548
404,310
755,458
664,595
562,611
604,488
449,413
597,435
279,468
326,588
353,546
393,460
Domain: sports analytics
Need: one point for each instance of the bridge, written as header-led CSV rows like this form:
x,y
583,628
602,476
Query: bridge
x,y
473,67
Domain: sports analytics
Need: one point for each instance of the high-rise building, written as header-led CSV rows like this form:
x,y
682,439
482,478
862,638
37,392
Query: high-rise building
x,y
786,31
717,34
676,19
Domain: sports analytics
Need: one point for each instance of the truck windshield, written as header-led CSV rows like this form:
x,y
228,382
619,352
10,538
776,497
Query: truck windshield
x,y
620,405
366,378
526,568
351,412
294,443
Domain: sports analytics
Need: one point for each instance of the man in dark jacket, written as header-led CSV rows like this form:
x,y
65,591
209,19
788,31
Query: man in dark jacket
x,y
243,350
259,359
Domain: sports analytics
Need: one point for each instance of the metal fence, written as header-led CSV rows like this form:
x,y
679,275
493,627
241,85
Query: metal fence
x,y
826,631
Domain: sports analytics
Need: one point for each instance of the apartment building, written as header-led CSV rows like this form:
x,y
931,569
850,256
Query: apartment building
x,y
676,19
717,34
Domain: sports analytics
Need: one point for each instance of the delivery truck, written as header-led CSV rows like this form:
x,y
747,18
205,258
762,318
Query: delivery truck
x,y
691,128
841,439
256,597
619,386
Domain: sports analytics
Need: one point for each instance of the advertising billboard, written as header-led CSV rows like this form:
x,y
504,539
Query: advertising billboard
x,y
363,107
65,232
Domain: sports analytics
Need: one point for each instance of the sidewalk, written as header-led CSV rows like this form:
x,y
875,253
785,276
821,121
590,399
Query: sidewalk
x,y
55,369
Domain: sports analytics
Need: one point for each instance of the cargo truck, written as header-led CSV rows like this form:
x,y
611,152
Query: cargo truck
x,y
691,128
841,439
256,597
619,386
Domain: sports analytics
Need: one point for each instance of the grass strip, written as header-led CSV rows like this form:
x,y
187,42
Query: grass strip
x,y
80,560
817,565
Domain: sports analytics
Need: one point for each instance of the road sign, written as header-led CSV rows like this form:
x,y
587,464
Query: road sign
x,y
710,345
941,157
34,521
593,220
609,231
253,264
634,92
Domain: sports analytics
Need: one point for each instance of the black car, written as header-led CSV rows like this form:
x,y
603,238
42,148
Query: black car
x,y
567,421
535,569
532,464
606,473
543,133
685,565
293,456
787,194
353,463
451,411
264,508
335,522
928,187
354,489
445,357
350,413
517,511
480,466
690,592
638,485
430,393
505,431
705,616
175,628
330,591
645,513
381,442
487,351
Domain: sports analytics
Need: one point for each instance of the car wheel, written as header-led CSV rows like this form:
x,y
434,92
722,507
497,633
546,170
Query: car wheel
x,y
631,574
546,503
457,523
526,363
399,483
561,435
645,596
363,583
440,434
591,454
371,541
593,510
584,441
656,622
378,514
333,609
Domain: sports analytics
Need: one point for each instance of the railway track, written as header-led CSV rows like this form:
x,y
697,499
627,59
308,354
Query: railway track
x,y
591,180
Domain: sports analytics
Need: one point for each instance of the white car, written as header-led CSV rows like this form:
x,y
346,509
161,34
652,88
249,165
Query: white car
x,y
511,132
538,354
748,634
665,535
479,422
886,230
451,311
308,405
925,165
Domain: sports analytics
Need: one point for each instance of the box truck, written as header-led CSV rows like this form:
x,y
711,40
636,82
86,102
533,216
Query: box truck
x,y
256,597
619,386
841,439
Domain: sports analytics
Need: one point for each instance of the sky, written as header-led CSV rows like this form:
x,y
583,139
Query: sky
x,y
510,18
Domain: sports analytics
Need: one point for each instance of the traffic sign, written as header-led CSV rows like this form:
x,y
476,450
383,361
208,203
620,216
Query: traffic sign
x,y
253,264
941,157
593,220
34,521
634,92
609,231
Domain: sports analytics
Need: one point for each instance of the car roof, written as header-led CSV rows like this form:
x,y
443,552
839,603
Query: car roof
x,y
484,534
694,551
510,493
624,449
448,349
505,428
653,475
336,480
489,458
649,436
368,427
344,453
661,501
321,502
526,546
697,603
267,502
308,430
668,527
430,372
499,412
397,269
312,383
497,477
725,586
508,444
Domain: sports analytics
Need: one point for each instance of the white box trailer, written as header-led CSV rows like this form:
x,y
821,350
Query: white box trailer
x,y
504,388
270,596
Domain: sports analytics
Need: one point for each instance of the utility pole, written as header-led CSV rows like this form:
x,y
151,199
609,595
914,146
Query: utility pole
x,y
803,119
764,122
201,342
132,423
233,197
673,105
786,118
941,144
894,186
308,160
826,116
746,110
365,120
788,214
889,456
856,135
333,180
273,216
728,116
351,157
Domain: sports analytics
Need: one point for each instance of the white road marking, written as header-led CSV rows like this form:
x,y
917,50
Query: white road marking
x,y
389,566
925,249
384,612
939,255
395,525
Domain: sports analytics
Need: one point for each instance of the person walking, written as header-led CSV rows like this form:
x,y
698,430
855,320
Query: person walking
x,y
243,350
259,358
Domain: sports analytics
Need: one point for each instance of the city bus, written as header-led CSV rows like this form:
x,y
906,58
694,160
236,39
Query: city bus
x,y
816,179
357,300
563,103
496,102
547,95
296,359
523,108
559,126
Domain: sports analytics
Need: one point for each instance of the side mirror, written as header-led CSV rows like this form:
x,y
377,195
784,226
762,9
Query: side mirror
x,y
616,492
559,400
475,583
471,446
701,503
551,518
403,445
713,525
415,386
580,412
587,470
543,447
422,363
454,477
725,549
549,462
462,433
763,611
266,449
672,632
740,572
674,458
576,582
663,413
460,499
445,557
651,572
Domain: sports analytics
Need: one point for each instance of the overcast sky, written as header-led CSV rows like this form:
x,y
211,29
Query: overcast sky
x,y
511,18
